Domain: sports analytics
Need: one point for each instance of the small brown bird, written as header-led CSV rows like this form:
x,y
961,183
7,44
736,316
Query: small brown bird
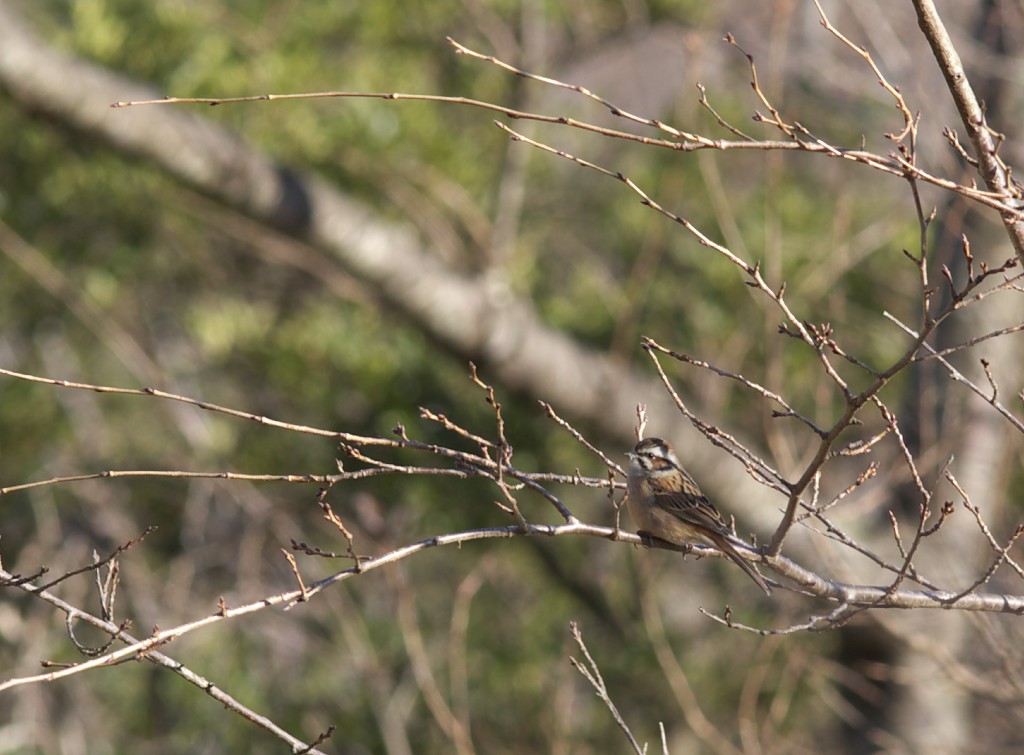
x,y
666,503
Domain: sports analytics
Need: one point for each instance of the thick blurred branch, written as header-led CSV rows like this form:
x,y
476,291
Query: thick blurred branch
x,y
475,318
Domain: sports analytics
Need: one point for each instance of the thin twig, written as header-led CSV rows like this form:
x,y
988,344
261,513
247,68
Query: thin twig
x,y
592,673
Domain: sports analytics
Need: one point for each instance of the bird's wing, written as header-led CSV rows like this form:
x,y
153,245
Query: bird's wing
x,y
692,507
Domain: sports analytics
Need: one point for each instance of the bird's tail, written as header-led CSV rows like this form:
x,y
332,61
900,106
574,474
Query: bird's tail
x,y
729,550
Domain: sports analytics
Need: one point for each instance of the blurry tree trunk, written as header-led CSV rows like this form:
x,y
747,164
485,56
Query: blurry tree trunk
x,y
932,712
928,711
475,318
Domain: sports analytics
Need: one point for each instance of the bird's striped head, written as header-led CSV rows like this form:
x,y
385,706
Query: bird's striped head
x,y
653,455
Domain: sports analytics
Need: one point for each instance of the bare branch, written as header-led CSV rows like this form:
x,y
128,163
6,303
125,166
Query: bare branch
x,y
993,170
147,650
592,673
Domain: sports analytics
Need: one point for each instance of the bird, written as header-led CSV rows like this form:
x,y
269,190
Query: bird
x,y
666,503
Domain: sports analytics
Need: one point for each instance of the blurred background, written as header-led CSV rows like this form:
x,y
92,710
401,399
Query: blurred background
x,y
245,255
